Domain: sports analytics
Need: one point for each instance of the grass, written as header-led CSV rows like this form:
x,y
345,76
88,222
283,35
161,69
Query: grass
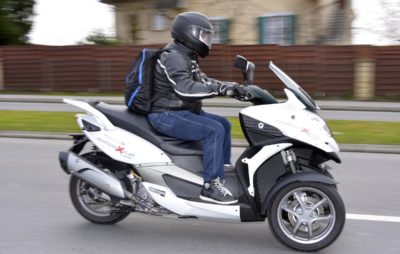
x,y
61,93
350,132
38,121
366,132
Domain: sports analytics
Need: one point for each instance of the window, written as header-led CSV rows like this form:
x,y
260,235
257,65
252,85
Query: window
x,y
277,29
159,21
221,29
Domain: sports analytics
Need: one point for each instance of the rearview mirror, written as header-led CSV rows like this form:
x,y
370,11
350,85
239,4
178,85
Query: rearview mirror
x,y
247,68
241,62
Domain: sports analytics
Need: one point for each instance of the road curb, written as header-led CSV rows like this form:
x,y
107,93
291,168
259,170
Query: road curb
x,y
35,135
359,148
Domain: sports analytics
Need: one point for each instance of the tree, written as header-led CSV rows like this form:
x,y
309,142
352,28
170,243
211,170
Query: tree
x,y
391,19
15,21
99,38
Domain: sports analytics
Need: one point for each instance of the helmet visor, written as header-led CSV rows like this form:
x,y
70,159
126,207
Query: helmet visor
x,y
202,34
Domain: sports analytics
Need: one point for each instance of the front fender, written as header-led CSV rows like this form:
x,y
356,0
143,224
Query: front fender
x,y
300,177
259,158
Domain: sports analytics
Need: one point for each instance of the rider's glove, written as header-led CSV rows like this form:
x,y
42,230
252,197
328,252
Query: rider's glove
x,y
228,88
240,91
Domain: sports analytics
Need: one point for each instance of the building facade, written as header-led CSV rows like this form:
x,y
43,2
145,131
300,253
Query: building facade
x,y
289,22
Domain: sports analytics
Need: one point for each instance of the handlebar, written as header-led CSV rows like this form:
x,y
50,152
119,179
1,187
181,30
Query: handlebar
x,y
253,94
240,93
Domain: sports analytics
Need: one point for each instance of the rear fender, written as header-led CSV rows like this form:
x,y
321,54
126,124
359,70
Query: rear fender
x,y
97,115
300,177
117,143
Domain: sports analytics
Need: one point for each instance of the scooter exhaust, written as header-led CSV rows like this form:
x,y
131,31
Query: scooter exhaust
x,y
78,166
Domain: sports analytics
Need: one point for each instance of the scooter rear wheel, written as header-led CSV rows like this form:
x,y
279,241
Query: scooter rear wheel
x,y
307,216
92,204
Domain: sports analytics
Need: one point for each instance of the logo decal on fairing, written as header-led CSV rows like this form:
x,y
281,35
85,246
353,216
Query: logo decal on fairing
x,y
306,130
120,149
260,125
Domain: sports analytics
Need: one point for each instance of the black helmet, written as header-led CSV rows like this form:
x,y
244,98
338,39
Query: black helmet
x,y
194,31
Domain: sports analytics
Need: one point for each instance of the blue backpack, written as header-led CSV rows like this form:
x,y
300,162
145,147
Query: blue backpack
x,y
139,81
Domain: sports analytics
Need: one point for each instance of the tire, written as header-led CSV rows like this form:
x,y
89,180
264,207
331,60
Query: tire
x,y
91,203
300,206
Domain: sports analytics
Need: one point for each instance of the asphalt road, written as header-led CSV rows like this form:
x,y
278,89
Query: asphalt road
x,y
36,215
327,114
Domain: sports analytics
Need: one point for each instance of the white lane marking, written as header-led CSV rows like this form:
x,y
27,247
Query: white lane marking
x,y
352,216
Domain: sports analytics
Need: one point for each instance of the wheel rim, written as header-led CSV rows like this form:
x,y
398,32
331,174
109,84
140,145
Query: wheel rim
x,y
306,215
93,201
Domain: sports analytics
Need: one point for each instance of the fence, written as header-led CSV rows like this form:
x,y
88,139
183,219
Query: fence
x,y
331,71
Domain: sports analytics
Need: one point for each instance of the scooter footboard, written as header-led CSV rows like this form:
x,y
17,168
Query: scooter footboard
x,y
166,198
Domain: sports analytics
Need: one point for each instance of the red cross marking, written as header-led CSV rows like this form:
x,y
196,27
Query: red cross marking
x,y
306,130
120,149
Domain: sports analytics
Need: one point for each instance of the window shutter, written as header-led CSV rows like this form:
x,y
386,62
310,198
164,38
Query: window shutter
x,y
261,32
291,21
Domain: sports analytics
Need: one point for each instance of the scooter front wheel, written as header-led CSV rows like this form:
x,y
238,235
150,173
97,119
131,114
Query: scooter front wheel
x,y
307,216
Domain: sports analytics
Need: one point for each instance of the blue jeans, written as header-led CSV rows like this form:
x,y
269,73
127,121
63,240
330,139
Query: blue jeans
x,y
214,132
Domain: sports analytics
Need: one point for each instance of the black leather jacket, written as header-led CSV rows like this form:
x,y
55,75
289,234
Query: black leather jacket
x,y
179,83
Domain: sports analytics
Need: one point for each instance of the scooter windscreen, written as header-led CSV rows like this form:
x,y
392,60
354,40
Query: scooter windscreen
x,y
295,88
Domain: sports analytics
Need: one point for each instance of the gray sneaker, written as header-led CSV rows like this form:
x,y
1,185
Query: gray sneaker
x,y
216,192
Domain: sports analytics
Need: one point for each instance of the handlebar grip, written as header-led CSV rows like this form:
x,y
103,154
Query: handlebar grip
x,y
230,92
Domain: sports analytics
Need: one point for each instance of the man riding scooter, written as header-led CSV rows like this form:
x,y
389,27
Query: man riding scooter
x,y
178,112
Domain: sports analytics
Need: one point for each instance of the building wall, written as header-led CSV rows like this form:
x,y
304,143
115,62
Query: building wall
x,y
244,29
312,18
142,12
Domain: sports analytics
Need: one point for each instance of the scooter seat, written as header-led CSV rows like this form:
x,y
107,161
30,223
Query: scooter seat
x,y
138,124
